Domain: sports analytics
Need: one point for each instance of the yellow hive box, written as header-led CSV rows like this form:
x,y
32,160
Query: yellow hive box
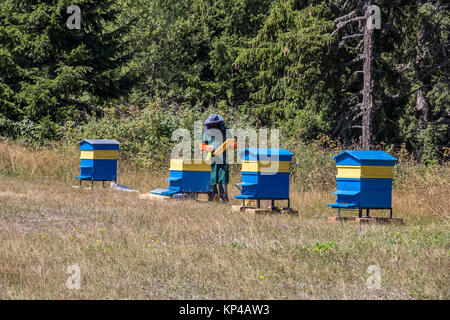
x,y
190,165
364,172
99,154
265,166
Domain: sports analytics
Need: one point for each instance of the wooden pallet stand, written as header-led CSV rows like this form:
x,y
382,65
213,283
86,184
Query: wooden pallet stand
x,y
367,220
200,197
203,197
340,219
289,211
151,196
254,210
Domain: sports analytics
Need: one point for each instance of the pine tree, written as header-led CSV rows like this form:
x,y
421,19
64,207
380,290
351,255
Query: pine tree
x,y
49,72
425,65
296,72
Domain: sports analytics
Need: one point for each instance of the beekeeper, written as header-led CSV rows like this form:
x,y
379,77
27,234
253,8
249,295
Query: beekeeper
x,y
214,136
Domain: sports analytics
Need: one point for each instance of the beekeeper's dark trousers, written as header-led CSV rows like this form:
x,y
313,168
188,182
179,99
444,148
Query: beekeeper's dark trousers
x,y
223,192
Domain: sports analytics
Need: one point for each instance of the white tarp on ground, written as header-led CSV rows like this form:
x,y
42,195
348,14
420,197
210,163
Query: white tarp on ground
x,y
120,187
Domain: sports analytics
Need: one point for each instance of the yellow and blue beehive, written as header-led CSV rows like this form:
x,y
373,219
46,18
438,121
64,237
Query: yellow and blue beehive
x,y
187,176
364,180
265,174
98,160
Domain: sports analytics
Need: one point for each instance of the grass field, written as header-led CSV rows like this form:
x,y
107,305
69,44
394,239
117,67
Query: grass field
x,y
127,248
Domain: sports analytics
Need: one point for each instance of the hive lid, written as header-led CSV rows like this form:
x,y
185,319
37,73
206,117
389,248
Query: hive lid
x,y
347,192
265,153
367,155
99,141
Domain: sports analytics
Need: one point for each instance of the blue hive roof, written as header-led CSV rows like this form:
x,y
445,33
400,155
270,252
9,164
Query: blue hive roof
x,y
265,154
267,151
99,141
367,155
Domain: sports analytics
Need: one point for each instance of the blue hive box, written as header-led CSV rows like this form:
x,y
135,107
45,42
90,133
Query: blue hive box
x,y
98,160
364,180
265,174
187,176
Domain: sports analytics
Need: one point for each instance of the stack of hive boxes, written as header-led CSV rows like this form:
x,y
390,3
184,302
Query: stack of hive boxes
x,y
364,180
98,160
187,176
265,174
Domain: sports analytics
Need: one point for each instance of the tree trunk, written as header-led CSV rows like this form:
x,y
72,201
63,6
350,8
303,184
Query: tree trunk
x,y
421,104
423,108
367,103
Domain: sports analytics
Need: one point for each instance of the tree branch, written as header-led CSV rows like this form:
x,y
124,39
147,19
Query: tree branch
x,y
352,36
342,24
422,76
344,17
349,63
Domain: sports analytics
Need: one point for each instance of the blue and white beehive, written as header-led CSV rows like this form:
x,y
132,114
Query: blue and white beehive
x,y
364,180
187,176
265,174
98,160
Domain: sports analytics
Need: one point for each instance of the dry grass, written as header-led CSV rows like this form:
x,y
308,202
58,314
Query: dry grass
x,y
203,251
